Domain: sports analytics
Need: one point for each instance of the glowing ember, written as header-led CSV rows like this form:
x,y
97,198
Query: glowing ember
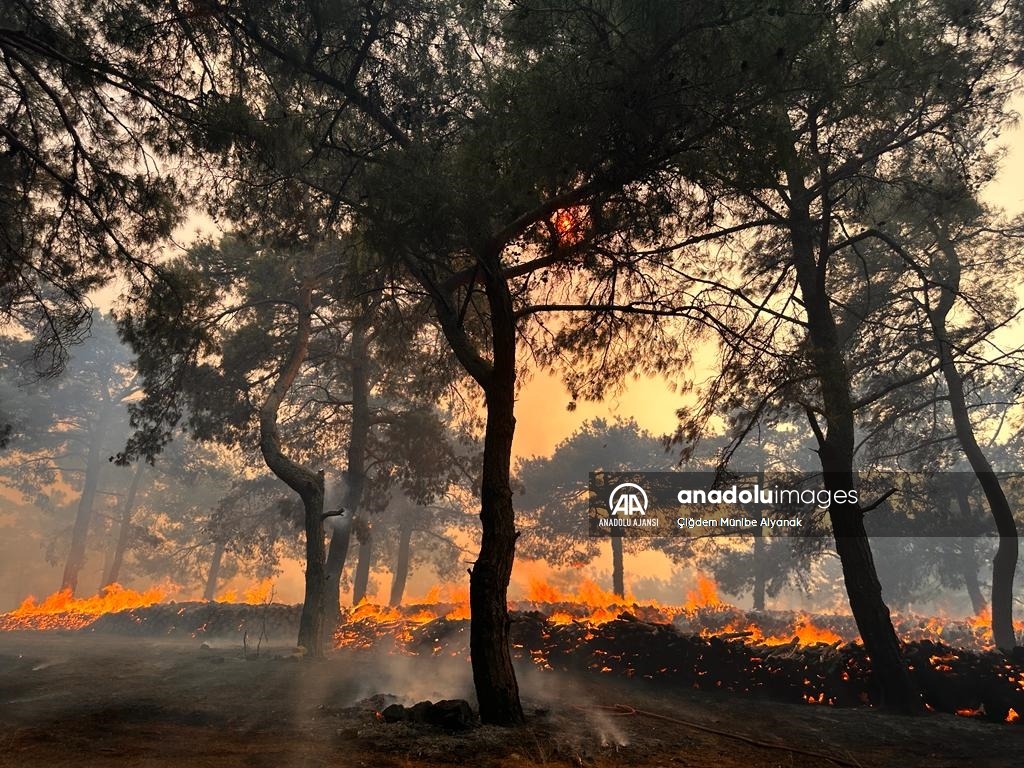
x,y
1012,716
979,712
570,225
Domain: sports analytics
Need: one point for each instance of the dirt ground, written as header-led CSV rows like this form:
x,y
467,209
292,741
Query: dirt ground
x,y
87,700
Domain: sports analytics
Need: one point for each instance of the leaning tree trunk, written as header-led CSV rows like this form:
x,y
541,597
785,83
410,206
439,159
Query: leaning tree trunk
x,y
307,484
361,579
618,571
836,452
113,572
1004,564
213,575
83,516
402,561
355,473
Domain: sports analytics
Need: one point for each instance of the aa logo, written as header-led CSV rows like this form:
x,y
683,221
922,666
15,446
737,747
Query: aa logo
x,y
627,499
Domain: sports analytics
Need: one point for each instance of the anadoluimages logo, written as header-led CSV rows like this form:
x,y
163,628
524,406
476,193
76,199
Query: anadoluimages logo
x,y
627,499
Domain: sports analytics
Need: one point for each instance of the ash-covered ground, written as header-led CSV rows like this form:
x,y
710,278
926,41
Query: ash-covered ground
x,y
85,699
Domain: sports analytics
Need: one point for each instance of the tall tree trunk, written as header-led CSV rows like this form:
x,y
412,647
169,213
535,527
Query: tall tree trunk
x,y
618,575
1004,564
402,561
361,580
213,575
307,484
494,678
836,452
83,516
355,472
112,574
497,689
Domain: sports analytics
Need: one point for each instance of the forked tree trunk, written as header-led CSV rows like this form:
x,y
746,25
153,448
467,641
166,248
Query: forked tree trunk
x,y
307,484
213,575
113,572
836,452
83,516
361,580
402,561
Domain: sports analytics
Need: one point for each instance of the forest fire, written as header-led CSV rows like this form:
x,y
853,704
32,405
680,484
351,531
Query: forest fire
x,y
62,610
704,643
588,605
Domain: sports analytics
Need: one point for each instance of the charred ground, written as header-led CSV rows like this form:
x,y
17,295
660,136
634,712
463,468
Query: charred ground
x,y
91,700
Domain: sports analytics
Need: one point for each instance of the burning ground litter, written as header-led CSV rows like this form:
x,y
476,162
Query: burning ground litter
x,y
102,700
704,644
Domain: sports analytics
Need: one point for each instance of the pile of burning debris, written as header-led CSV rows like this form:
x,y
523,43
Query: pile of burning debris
x,y
703,644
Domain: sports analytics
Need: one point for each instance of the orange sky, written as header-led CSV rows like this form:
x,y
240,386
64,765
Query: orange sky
x,y
543,419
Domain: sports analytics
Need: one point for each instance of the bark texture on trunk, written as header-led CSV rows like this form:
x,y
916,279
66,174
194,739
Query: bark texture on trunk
x,y
1004,564
836,452
83,515
309,485
113,571
494,678
618,572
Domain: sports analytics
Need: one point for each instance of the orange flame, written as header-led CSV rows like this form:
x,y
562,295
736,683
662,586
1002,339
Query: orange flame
x,y
705,596
62,610
257,594
570,225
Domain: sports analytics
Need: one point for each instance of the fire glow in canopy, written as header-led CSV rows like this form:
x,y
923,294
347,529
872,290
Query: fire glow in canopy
x,y
570,225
